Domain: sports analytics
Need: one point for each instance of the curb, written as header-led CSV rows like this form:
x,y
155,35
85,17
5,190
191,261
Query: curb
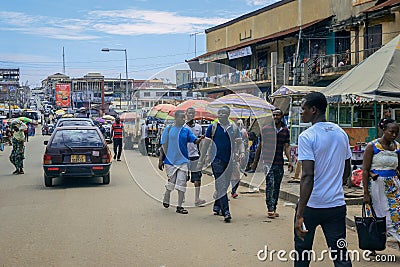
x,y
294,198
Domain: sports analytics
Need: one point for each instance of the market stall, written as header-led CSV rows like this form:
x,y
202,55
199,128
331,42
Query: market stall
x,y
358,95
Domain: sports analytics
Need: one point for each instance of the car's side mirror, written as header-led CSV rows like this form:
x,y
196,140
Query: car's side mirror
x,y
45,142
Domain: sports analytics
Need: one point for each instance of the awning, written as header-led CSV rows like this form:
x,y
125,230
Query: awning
x,y
213,57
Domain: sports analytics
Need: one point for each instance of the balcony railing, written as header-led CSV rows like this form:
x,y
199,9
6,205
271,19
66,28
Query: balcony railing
x,y
308,72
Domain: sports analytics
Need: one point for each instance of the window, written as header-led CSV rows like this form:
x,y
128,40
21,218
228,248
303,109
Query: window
x,y
175,93
288,54
146,94
189,94
76,138
372,39
160,94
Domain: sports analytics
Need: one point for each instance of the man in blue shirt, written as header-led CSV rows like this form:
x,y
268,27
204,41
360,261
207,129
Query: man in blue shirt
x,y
174,142
227,142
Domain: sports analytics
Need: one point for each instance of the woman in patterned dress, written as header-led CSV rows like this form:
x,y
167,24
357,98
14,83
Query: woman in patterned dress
x,y
380,176
17,152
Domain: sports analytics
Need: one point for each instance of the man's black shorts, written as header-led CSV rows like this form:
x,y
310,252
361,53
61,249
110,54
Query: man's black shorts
x,y
194,175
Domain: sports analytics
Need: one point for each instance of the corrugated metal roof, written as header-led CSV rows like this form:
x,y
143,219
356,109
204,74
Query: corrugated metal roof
x,y
388,3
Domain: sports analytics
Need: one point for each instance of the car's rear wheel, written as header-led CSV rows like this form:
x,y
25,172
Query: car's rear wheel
x,y
48,181
106,179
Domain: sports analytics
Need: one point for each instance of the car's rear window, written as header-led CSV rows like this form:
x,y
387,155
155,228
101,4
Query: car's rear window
x,y
75,123
76,138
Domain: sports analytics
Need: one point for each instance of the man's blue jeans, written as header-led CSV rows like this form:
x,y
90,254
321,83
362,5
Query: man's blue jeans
x,y
222,172
273,180
333,223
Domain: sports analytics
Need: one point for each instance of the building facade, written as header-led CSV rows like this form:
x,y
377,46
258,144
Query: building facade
x,y
296,42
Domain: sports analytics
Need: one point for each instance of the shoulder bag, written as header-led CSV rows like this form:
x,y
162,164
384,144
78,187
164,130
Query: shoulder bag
x,y
371,231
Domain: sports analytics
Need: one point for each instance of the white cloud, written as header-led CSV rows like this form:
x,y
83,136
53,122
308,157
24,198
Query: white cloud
x,y
112,22
261,2
136,22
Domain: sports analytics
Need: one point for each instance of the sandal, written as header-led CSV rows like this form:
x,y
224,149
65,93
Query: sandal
x,y
16,172
271,214
200,203
276,215
181,210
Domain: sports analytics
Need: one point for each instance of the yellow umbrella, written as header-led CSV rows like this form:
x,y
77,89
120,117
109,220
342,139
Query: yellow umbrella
x,y
108,117
60,112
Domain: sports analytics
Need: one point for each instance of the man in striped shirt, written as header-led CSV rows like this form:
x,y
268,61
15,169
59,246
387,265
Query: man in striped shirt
x,y
116,133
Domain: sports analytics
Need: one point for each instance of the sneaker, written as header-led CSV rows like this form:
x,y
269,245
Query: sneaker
x,y
235,195
227,218
200,203
219,213
118,159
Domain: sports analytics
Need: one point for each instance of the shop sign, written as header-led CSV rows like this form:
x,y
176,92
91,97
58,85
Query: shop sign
x,y
242,52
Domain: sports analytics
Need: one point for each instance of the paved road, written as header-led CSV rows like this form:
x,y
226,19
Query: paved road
x,y
83,223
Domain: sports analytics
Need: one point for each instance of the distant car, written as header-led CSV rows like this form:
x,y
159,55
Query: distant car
x,y
62,122
78,151
47,129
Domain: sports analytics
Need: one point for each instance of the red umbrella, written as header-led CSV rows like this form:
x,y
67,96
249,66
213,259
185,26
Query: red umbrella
x,y
198,105
163,107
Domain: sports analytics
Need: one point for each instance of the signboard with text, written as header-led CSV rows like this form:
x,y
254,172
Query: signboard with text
x,y
63,95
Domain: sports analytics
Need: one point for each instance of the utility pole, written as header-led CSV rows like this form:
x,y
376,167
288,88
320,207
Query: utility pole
x,y
120,91
63,61
195,42
298,42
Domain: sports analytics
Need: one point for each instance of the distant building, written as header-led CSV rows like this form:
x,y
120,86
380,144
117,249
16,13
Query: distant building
x,y
9,84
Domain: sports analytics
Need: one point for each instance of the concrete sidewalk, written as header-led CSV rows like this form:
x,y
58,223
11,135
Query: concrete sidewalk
x,y
290,191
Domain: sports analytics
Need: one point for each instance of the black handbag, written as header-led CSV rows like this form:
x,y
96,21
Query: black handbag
x,y
371,231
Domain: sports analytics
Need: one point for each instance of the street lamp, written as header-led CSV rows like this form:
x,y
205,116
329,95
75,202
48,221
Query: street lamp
x,y
126,67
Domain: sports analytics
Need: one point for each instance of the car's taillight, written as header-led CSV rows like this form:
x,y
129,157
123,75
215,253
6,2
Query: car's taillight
x,y
97,167
47,159
106,158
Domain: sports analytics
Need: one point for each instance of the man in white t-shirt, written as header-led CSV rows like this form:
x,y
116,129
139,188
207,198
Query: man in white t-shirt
x,y
325,154
194,155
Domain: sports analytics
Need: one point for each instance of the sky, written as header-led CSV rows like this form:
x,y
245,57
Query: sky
x,y
156,34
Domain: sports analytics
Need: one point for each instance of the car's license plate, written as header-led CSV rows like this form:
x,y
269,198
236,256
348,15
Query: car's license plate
x,y
78,158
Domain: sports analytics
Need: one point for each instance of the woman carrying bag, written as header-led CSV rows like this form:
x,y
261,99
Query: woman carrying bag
x,y
380,180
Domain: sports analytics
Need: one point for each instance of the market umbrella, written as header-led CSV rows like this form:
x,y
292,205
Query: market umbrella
x,y
101,120
108,117
25,119
242,105
164,107
60,112
200,107
162,115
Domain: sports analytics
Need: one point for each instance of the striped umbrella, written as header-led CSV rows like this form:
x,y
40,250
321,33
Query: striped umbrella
x,y
198,105
242,105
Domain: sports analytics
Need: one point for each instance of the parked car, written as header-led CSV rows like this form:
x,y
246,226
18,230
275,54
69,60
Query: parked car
x,y
74,122
47,129
76,151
